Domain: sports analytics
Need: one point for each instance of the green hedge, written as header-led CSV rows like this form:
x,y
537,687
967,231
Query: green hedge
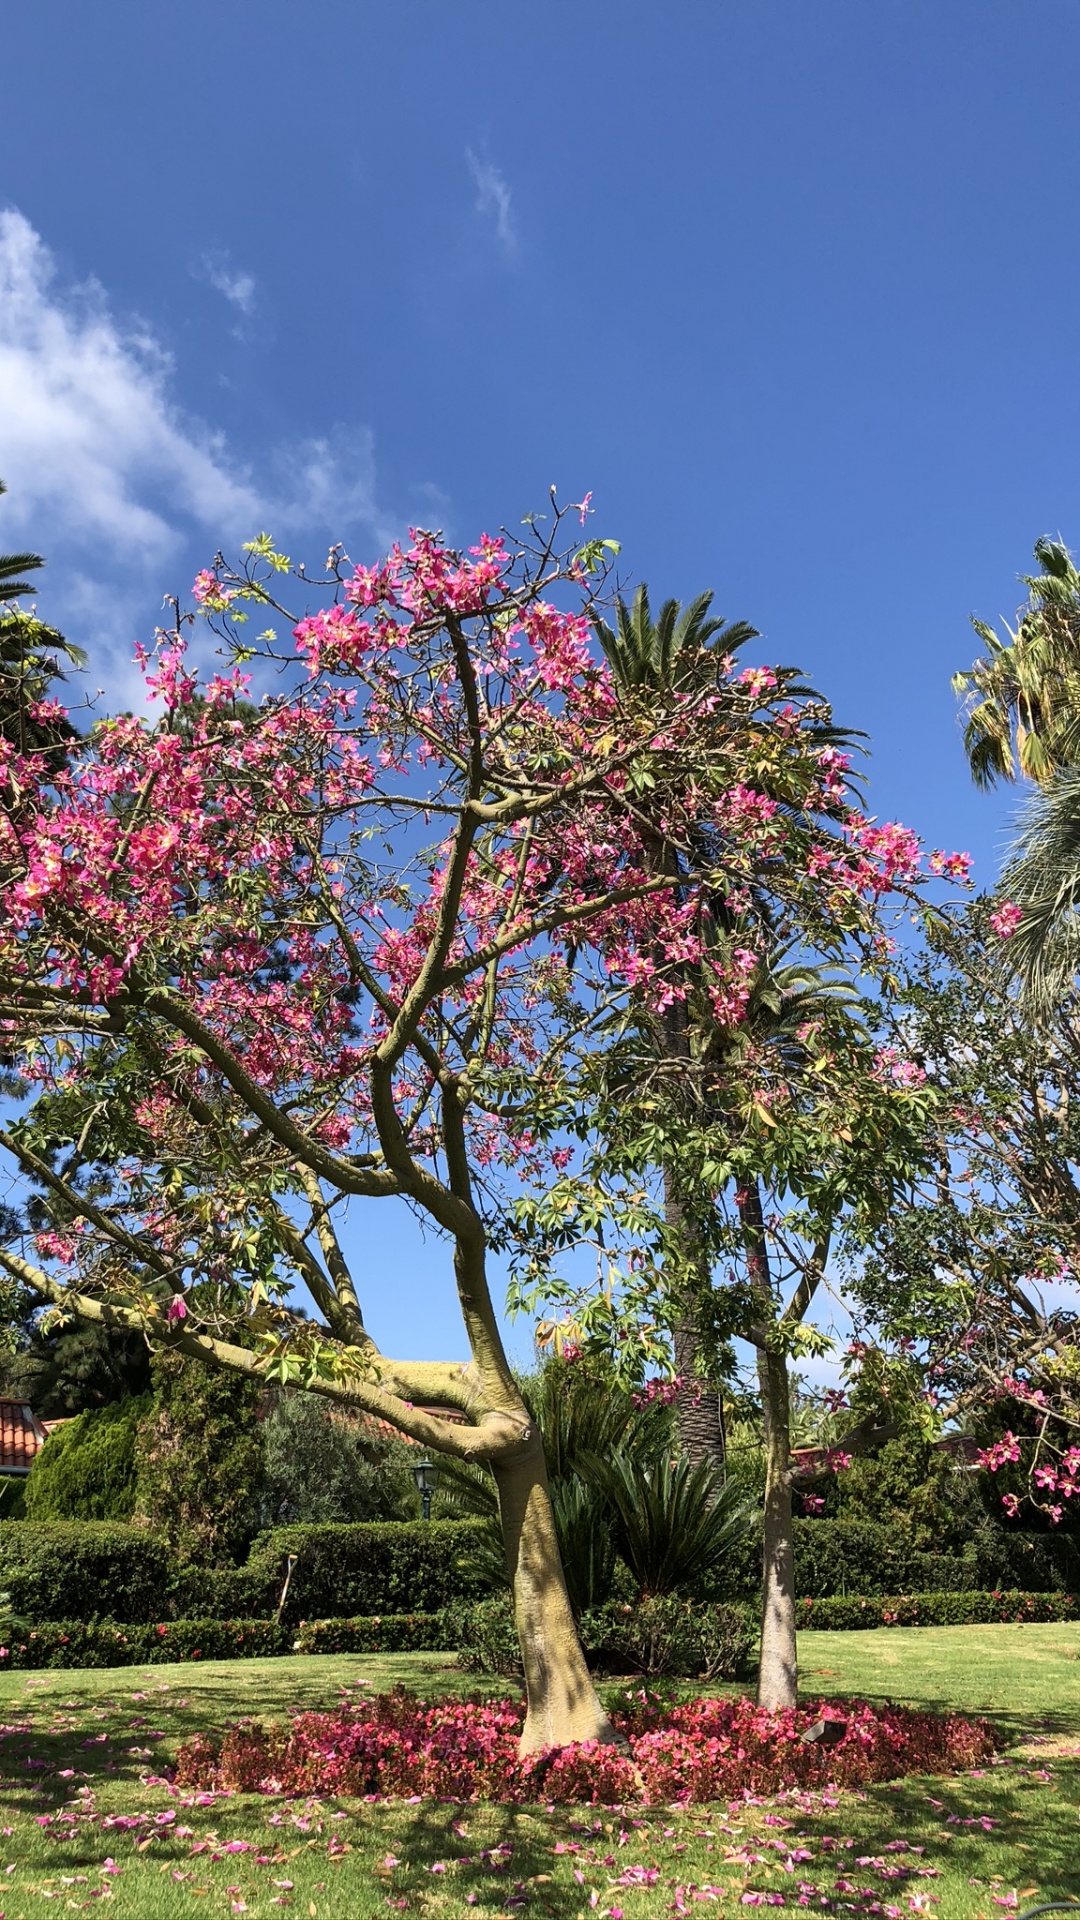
x,y
111,1643
842,1613
375,1633
371,1567
81,1569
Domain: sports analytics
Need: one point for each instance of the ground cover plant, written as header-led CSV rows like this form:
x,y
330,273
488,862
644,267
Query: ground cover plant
x,y
83,1757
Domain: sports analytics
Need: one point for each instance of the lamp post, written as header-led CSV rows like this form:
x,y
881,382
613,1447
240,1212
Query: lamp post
x,y
426,1475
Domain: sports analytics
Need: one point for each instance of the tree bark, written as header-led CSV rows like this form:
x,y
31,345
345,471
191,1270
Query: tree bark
x,y
778,1675
563,1706
778,1678
698,1405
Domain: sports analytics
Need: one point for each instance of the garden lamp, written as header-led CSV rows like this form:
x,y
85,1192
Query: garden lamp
x,y
426,1475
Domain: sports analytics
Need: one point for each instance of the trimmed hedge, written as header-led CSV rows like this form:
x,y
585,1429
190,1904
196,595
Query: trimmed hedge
x,y
72,1569
372,1567
843,1613
111,1643
375,1633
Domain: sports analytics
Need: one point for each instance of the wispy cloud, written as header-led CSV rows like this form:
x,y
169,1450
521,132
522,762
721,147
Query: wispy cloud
x,y
494,199
237,286
115,483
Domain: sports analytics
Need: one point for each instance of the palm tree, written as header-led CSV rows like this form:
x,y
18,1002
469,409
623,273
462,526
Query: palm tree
x,y
681,647
1023,697
1042,879
28,664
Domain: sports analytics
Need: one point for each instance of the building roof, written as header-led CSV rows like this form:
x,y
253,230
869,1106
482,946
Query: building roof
x,y
22,1436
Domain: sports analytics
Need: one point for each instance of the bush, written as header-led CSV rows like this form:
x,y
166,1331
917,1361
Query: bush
x,y
224,1593
659,1635
467,1750
87,1468
374,1567
843,1613
68,1569
110,1643
485,1637
374,1633
664,1634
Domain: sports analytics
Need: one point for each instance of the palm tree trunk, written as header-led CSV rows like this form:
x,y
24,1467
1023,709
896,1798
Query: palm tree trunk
x,y
778,1676
698,1406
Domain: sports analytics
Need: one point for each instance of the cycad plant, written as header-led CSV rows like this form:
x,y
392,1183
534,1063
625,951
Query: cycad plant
x,y
617,1491
675,1525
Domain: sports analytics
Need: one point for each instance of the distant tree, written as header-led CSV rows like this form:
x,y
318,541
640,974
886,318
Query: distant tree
x,y
71,1367
320,1465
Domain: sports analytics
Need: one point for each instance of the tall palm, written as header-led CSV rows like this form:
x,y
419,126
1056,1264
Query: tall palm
x,y
1022,697
681,647
28,663
1042,879
1024,716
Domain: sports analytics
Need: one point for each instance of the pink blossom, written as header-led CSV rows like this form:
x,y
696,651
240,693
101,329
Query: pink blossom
x,y
1006,919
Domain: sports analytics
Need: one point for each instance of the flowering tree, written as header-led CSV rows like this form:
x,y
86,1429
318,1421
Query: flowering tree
x,y
261,960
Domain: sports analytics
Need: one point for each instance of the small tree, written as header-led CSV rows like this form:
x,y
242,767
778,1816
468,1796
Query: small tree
x,y
199,1462
248,990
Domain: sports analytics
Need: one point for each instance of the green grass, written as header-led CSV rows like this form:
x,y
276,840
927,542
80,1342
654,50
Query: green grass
x,y
84,1745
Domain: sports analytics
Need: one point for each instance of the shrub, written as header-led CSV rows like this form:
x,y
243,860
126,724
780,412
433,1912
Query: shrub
x,y
225,1593
845,1612
467,1750
68,1569
484,1636
374,1567
375,1633
86,1469
110,1643
658,1635
663,1634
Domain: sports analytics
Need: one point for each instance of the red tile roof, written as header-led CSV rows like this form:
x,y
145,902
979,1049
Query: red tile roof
x,y
22,1436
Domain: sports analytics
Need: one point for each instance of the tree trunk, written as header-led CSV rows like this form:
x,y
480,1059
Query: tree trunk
x,y
778,1677
563,1706
698,1406
778,1680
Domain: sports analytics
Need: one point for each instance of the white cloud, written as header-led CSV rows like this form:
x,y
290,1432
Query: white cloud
x,y
493,198
237,286
114,483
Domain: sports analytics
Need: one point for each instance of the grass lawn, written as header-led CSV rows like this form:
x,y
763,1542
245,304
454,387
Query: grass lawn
x,y
82,1823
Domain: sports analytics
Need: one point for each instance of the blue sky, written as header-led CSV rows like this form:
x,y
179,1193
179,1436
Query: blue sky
x,y
793,289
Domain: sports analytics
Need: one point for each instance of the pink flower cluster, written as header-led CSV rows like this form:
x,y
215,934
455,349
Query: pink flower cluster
x,y
396,1745
1006,919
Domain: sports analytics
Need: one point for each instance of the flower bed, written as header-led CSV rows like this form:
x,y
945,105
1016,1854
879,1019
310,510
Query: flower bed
x,y
396,1745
